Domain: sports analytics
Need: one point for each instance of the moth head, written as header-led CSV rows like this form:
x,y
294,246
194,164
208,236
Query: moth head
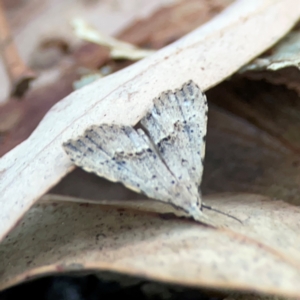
x,y
195,209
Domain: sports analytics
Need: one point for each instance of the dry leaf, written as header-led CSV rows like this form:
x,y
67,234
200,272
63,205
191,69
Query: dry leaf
x,y
261,255
274,109
284,54
118,49
85,80
289,77
253,143
218,49
280,65
171,22
9,117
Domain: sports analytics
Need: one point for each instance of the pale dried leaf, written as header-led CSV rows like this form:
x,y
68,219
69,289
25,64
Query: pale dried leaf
x,y
284,54
218,49
118,49
263,254
85,80
144,205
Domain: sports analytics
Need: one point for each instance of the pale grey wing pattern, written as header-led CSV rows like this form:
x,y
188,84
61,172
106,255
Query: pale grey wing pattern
x,y
120,153
177,126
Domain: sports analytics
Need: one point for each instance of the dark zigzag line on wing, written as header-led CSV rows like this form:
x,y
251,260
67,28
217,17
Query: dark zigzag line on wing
x,y
162,106
186,127
124,166
195,137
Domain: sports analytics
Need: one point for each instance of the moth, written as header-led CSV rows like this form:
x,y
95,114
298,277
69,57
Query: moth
x,y
164,160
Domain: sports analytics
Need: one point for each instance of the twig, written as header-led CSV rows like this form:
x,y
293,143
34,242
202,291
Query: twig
x,y
20,75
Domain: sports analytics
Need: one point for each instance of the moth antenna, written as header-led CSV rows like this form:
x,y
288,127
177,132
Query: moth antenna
x,y
221,212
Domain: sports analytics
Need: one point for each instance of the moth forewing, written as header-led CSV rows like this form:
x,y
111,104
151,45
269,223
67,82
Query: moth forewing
x,y
165,163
